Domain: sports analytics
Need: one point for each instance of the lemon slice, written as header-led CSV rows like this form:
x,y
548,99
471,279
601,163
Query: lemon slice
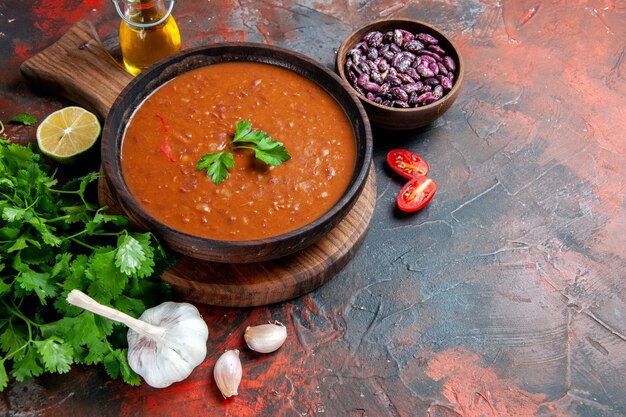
x,y
67,133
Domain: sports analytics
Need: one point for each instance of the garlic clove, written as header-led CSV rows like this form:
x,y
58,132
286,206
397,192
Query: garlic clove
x,y
266,338
227,373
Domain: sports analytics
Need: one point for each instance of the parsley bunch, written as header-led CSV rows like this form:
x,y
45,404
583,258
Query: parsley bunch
x,y
265,148
52,240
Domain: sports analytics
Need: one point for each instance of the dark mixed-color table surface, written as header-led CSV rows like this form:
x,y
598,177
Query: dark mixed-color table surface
x,y
505,296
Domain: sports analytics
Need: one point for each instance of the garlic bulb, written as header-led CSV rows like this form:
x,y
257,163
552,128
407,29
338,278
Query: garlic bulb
x,y
266,338
164,345
227,373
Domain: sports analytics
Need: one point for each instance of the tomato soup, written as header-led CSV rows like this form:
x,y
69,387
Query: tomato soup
x,y
196,113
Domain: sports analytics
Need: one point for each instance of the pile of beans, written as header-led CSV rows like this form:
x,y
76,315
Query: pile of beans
x,y
400,69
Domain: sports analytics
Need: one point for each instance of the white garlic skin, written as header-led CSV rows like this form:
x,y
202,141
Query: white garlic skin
x,y
266,338
179,350
227,373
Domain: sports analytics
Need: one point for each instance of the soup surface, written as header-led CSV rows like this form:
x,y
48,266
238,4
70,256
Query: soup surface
x,y
196,113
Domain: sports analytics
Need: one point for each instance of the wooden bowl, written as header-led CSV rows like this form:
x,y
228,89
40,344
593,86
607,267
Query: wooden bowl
x,y
225,250
400,118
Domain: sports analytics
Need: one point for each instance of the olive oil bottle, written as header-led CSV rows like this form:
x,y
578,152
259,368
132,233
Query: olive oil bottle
x,y
148,33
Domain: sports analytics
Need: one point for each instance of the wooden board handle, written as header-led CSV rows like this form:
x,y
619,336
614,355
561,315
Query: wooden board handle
x,y
79,68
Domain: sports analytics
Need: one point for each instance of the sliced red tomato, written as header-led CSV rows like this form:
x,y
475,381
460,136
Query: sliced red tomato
x,y
407,164
416,194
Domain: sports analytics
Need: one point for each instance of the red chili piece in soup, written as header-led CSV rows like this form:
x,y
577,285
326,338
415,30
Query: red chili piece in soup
x,y
196,113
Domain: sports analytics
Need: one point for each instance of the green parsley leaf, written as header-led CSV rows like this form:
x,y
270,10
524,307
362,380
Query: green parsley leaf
x,y
111,364
116,364
128,375
242,128
253,136
56,356
265,149
107,281
24,118
13,214
145,268
80,330
216,165
27,365
130,255
96,352
12,339
4,378
271,152
38,282
52,240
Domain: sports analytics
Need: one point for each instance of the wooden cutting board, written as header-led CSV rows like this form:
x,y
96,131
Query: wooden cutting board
x,y
79,68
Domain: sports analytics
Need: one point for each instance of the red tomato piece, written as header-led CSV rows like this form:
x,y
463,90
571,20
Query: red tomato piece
x,y
416,194
407,164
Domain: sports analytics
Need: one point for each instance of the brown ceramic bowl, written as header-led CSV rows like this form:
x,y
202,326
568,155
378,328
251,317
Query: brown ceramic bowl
x,y
223,250
401,118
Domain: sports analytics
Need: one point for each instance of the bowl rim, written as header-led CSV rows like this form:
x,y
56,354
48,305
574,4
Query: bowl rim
x,y
372,25
112,136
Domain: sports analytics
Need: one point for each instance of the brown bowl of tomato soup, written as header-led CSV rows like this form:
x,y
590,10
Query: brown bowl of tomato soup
x,y
237,152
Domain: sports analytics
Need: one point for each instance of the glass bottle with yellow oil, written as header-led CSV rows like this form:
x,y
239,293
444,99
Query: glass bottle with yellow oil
x,y
148,32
